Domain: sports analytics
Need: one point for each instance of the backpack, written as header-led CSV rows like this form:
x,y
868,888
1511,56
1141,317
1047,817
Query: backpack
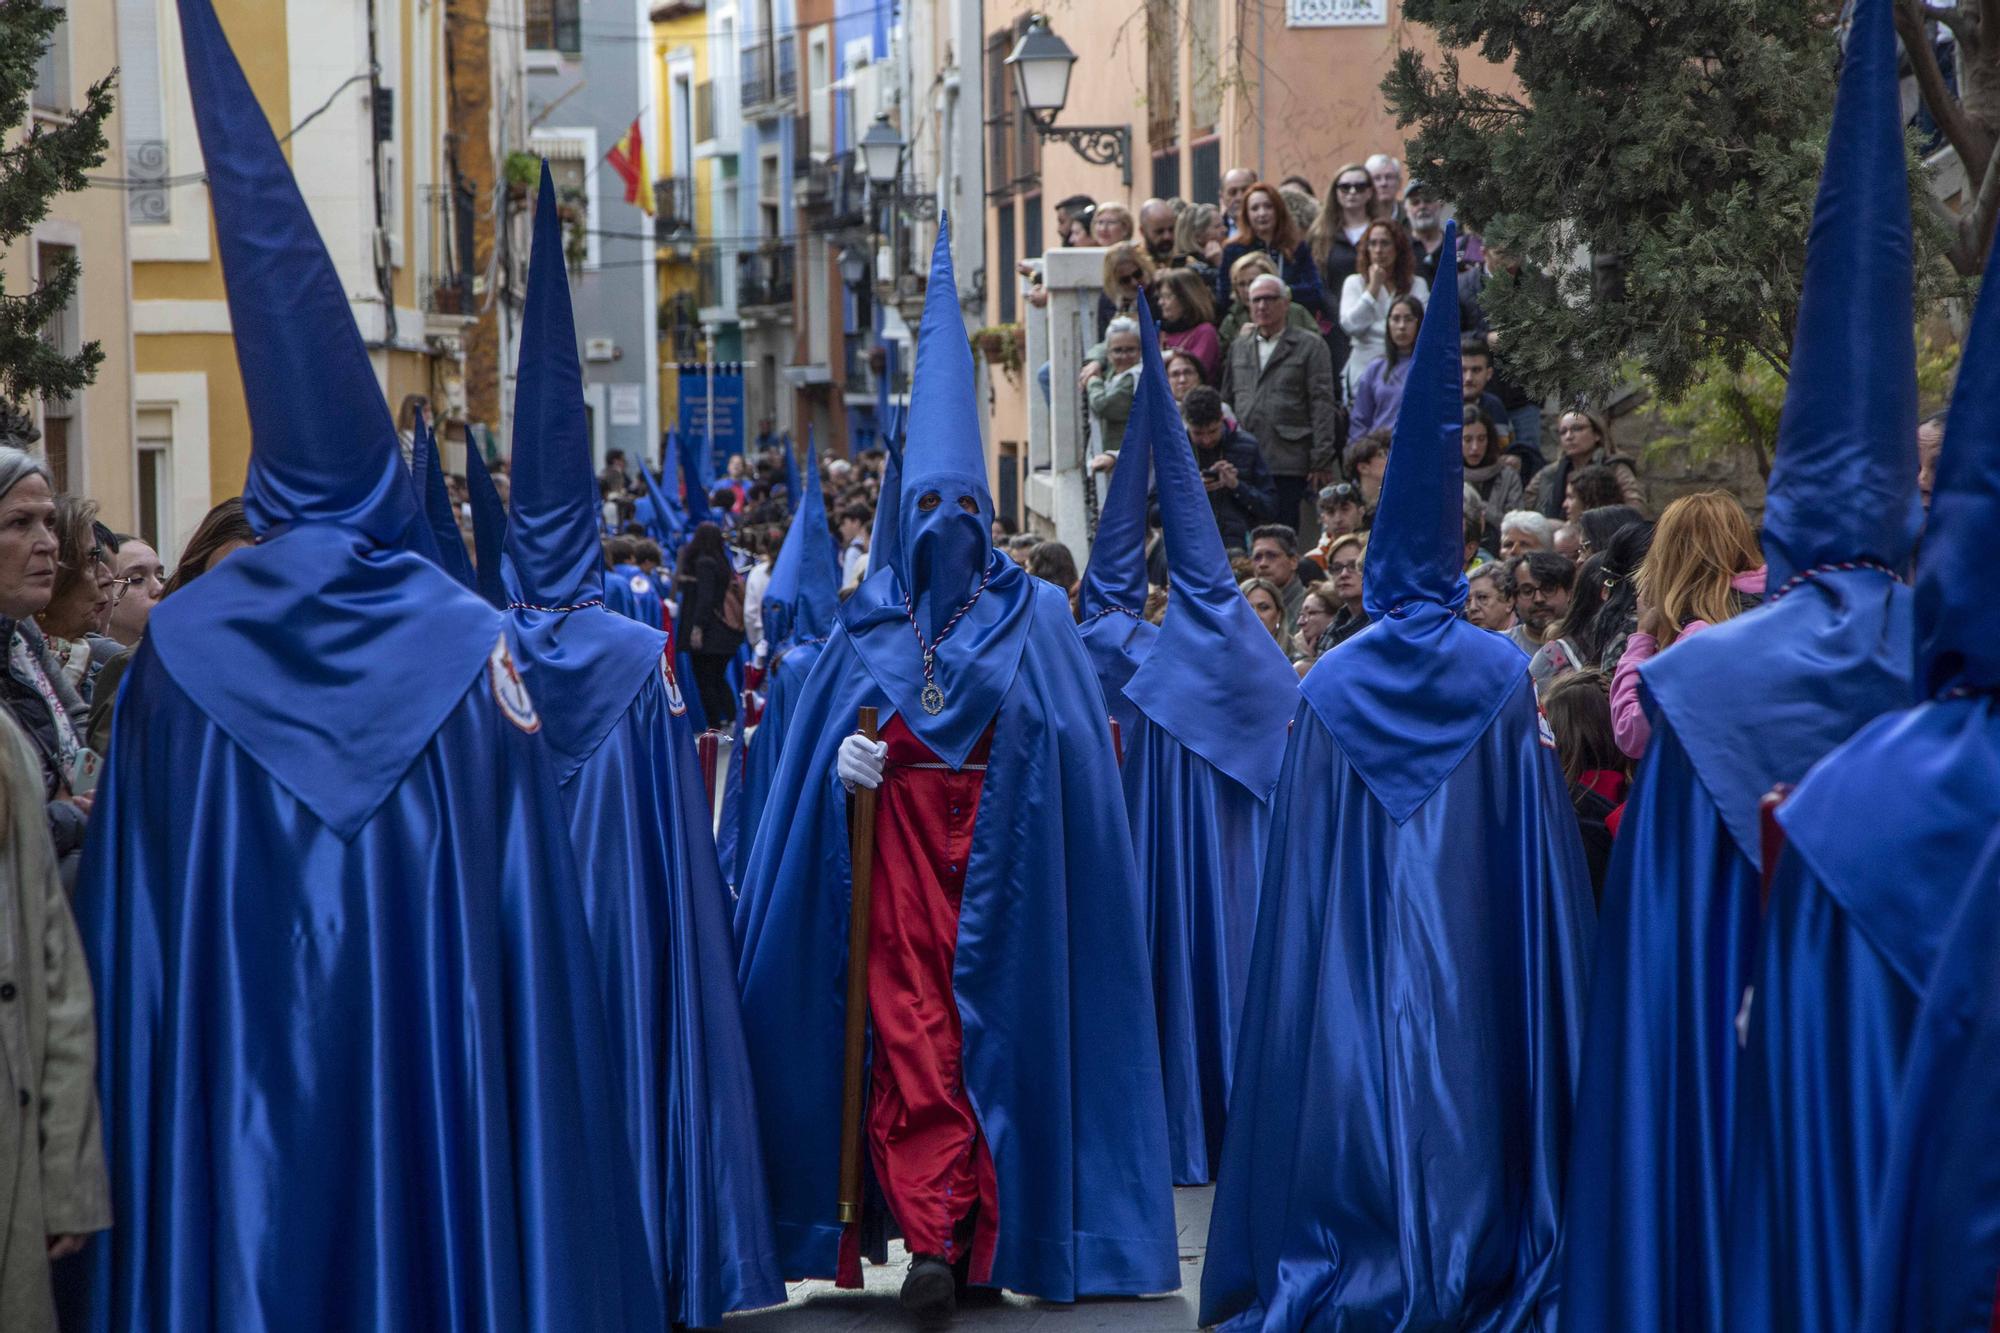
x,y
732,604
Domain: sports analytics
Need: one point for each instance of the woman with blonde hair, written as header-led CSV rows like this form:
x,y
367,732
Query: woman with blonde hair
x,y
1199,235
1704,567
1269,604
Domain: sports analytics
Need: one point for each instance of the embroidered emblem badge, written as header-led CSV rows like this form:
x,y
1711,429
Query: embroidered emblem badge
x,y
641,584
676,704
1548,735
509,690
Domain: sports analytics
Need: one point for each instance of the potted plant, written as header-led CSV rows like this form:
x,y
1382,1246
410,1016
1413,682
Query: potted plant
x,y
521,171
1001,345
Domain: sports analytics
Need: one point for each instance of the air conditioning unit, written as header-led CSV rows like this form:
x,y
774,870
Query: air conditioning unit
x,y
600,349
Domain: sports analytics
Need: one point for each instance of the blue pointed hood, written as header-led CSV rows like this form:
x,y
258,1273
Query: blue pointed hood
x,y
1215,679
1416,552
1111,604
489,528
584,662
323,446
1843,484
1958,622
552,538
792,497
419,536
1408,697
695,499
427,470
657,510
943,547
804,591
882,538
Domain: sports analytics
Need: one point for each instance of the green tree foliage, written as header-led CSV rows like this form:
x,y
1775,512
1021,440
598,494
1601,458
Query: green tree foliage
x,y
1678,143
49,158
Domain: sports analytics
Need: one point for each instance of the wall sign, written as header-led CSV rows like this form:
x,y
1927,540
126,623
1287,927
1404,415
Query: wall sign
x,y
1336,13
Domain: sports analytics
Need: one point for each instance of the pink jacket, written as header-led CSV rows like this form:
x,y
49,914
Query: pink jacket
x,y
1628,716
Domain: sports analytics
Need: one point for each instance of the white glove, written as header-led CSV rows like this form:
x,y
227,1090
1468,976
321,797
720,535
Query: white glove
x,y
859,763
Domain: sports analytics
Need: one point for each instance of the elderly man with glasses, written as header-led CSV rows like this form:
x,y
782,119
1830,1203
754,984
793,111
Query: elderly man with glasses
x,y
1280,380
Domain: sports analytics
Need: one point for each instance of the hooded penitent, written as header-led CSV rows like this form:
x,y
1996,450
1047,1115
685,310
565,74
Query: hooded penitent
x,y
353,1052
1399,1119
1048,983
427,473
658,511
1880,838
1736,710
638,816
799,605
1203,742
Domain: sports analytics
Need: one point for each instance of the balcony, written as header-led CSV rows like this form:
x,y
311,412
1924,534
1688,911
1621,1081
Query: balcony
x,y
834,194
770,78
673,218
764,278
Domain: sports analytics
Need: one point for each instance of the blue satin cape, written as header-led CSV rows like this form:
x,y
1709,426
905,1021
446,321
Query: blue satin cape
x,y
1934,1254
1649,1194
783,683
349,1081
1061,1056
1882,836
1400,1119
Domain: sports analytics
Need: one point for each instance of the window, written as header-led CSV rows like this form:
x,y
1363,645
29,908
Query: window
x,y
1163,74
819,88
144,109
52,72
1205,171
63,333
1031,227
155,442
553,26
1167,173
999,97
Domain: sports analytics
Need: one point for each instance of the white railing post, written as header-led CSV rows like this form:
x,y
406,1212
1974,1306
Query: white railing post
x,y
1074,278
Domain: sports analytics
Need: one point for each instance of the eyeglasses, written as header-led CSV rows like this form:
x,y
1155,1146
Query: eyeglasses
x,y
1534,592
1343,567
1266,299
1354,187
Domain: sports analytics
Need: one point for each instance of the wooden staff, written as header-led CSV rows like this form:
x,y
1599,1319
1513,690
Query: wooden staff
x,y
861,850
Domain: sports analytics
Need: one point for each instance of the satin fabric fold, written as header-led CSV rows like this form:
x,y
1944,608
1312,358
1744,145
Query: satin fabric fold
x,y
1934,1251
783,684
1645,1225
1399,1125
349,1082
1061,1055
1198,836
659,925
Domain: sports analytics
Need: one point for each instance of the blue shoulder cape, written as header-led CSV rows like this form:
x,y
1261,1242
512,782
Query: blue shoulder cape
x,y
1061,1056
1400,1119
351,1078
1759,699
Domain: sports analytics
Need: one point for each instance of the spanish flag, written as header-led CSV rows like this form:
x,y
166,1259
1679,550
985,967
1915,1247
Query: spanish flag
x,y
628,159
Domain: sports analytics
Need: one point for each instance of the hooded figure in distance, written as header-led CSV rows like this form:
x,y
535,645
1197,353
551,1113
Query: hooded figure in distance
x,y
1014,1120
354,1059
1202,748
1399,1123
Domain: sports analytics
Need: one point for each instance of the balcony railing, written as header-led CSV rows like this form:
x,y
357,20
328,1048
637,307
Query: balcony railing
x,y
764,278
835,193
770,77
673,202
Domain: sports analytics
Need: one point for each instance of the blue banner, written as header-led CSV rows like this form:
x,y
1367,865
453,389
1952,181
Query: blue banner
x,y
724,435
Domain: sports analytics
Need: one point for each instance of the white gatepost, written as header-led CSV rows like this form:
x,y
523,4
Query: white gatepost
x,y
1054,493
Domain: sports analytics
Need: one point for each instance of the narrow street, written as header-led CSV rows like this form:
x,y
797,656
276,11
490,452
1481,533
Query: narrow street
x,y
816,1307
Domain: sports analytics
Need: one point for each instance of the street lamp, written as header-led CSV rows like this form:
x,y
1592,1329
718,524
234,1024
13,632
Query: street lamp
x,y
853,266
881,152
1041,62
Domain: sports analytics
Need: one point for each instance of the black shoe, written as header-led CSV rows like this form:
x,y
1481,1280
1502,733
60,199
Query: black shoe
x,y
928,1289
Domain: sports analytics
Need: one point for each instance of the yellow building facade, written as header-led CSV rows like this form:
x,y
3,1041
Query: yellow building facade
x,y
356,91
683,156
86,440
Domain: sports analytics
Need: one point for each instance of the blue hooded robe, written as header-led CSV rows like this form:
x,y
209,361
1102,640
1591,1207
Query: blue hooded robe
x,y
352,1052
1880,839
1209,697
489,530
1737,710
639,820
427,475
1399,1124
1060,1057
1934,1250
799,605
